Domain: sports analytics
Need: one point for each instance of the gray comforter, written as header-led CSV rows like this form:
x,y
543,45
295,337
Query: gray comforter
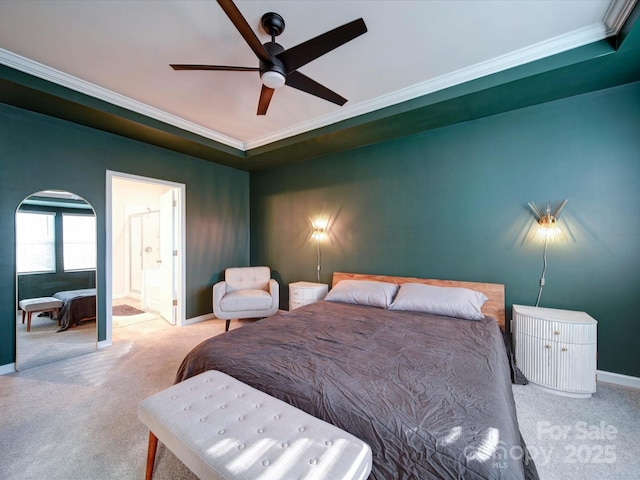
x,y
431,395
77,305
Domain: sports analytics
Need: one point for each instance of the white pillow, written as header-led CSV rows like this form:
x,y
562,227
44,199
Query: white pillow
x,y
447,301
363,292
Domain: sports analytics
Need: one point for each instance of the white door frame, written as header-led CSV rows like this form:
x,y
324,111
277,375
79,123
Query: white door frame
x,y
181,259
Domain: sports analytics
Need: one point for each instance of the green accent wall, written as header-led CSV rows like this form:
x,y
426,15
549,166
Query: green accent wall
x,y
38,152
451,203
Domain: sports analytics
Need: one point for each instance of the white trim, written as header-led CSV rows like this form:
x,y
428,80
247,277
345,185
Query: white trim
x,y
39,70
198,319
618,379
182,258
108,262
575,39
616,15
8,368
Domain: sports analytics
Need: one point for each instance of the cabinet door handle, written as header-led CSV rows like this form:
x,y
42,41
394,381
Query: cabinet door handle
x,y
547,346
564,349
557,332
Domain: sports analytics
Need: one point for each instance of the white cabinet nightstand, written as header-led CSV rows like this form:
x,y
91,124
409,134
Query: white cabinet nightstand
x,y
556,349
303,293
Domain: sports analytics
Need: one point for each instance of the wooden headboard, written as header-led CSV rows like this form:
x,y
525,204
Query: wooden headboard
x,y
493,307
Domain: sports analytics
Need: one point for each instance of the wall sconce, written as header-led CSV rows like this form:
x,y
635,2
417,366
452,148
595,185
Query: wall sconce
x,y
547,215
319,233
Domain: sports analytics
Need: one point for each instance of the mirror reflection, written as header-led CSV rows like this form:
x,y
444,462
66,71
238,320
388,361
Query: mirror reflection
x,y
56,278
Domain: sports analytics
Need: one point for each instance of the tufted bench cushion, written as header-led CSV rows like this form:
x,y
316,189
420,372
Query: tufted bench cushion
x,y
40,304
223,429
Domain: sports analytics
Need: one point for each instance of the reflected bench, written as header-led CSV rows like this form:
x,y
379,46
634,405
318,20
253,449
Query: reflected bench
x,y
36,305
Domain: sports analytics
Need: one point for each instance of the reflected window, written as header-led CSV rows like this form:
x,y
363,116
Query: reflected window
x,y
79,242
35,242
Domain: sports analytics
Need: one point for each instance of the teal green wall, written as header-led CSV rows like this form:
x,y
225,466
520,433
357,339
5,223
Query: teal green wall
x,y
452,203
39,152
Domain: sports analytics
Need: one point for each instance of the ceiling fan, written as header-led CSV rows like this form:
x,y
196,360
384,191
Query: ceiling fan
x,y
279,67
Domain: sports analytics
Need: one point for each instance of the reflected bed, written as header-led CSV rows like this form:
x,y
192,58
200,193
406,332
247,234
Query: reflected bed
x,y
77,306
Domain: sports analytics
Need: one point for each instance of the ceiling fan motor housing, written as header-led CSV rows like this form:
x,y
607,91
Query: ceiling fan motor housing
x,y
274,69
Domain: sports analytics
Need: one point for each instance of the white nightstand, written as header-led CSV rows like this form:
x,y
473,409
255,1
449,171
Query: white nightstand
x,y
303,293
556,349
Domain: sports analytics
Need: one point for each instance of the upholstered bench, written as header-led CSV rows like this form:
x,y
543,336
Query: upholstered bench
x,y
41,304
223,429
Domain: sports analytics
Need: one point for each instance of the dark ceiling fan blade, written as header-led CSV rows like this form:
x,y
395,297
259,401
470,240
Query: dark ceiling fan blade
x,y
302,82
295,57
214,67
265,97
245,30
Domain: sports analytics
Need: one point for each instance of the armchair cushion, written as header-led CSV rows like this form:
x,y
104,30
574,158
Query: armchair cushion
x,y
247,278
240,300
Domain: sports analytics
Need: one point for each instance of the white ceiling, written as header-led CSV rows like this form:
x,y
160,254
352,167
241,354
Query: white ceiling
x,y
120,51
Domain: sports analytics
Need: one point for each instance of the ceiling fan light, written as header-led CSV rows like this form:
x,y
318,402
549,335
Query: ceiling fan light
x,y
272,79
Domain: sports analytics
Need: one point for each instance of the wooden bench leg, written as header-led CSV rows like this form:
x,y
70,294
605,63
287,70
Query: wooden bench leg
x,y
226,328
151,455
29,322
23,314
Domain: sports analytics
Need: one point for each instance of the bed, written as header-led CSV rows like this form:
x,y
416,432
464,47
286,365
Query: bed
x,y
77,306
430,394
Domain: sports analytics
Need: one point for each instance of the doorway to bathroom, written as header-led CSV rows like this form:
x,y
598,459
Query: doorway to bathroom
x,y
146,232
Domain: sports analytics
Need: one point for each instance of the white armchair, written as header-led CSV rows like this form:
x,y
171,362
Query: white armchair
x,y
246,292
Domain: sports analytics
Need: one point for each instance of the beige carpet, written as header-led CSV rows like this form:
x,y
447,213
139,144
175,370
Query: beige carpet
x,y
596,438
77,418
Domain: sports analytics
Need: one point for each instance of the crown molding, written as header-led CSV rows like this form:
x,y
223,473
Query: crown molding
x,y
52,75
617,14
614,19
563,43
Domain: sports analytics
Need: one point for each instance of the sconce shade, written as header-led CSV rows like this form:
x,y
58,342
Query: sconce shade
x,y
547,214
318,233
319,229
547,211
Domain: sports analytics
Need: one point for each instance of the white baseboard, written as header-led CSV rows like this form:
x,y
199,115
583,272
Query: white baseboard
x,y
104,344
8,368
198,319
618,379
